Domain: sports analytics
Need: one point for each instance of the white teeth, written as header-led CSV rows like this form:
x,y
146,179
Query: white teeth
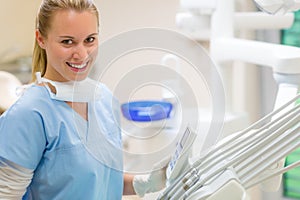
x,y
78,66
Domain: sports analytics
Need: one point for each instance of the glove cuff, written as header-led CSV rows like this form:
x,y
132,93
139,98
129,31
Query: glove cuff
x,y
140,184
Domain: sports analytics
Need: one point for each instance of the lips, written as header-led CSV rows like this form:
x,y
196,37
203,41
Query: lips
x,y
78,67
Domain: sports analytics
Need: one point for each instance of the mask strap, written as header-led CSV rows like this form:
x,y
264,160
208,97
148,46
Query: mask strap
x,y
38,77
40,80
46,82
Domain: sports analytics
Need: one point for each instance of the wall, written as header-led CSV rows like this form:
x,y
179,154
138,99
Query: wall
x,y
17,21
118,16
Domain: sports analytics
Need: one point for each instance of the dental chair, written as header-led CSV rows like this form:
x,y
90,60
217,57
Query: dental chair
x,y
8,88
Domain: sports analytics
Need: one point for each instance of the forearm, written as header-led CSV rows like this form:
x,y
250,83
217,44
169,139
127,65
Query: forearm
x,y
128,185
13,180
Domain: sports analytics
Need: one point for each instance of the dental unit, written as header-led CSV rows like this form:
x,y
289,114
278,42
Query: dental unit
x,y
241,160
256,154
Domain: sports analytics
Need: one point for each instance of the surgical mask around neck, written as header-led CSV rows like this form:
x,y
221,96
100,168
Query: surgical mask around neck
x,y
73,91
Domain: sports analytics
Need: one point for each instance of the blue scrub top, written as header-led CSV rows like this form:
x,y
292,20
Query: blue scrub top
x,y
44,135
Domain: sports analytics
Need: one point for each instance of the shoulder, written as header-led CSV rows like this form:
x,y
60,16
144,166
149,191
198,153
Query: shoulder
x,y
107,103
104,89
35,94
107,95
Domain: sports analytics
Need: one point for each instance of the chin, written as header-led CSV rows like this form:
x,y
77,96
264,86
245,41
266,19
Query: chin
x,y
79,76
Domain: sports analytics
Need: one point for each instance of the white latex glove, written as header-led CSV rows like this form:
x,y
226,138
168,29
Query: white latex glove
x,y
153,182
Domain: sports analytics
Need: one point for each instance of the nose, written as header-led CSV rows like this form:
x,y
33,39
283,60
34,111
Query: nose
x,y
80,52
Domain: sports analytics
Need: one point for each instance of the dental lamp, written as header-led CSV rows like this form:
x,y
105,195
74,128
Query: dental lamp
x,y
278,6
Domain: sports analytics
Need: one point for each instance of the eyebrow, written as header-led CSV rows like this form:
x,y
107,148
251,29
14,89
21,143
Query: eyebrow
x,y
70,37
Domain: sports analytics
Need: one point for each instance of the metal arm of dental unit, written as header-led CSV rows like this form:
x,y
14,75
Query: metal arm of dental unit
x,y
256,154
284,60
241,160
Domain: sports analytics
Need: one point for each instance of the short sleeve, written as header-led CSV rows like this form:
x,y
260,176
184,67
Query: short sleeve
x,y
22,136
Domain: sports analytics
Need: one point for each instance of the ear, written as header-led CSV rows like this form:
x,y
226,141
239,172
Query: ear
x,y
40,39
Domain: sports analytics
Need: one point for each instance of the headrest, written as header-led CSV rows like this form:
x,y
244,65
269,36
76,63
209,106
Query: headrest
x,y
8,86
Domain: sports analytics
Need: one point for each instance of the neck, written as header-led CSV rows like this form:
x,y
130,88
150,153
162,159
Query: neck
x,y
80,108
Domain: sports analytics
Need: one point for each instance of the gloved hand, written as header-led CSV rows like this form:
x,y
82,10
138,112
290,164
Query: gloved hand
x,y
152,182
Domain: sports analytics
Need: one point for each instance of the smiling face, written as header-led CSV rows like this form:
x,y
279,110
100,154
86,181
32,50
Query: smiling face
x,y
71,45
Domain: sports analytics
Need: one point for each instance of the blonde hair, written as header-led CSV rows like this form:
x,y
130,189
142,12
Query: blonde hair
x,y
43,24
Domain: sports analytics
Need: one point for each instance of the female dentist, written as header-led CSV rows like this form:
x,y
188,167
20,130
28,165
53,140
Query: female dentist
x,y
61,139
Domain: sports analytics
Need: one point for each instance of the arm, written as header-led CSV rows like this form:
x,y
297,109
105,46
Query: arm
x,y
128,185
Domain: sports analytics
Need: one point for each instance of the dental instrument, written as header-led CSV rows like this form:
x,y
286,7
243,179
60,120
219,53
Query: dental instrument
x,y
245,157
